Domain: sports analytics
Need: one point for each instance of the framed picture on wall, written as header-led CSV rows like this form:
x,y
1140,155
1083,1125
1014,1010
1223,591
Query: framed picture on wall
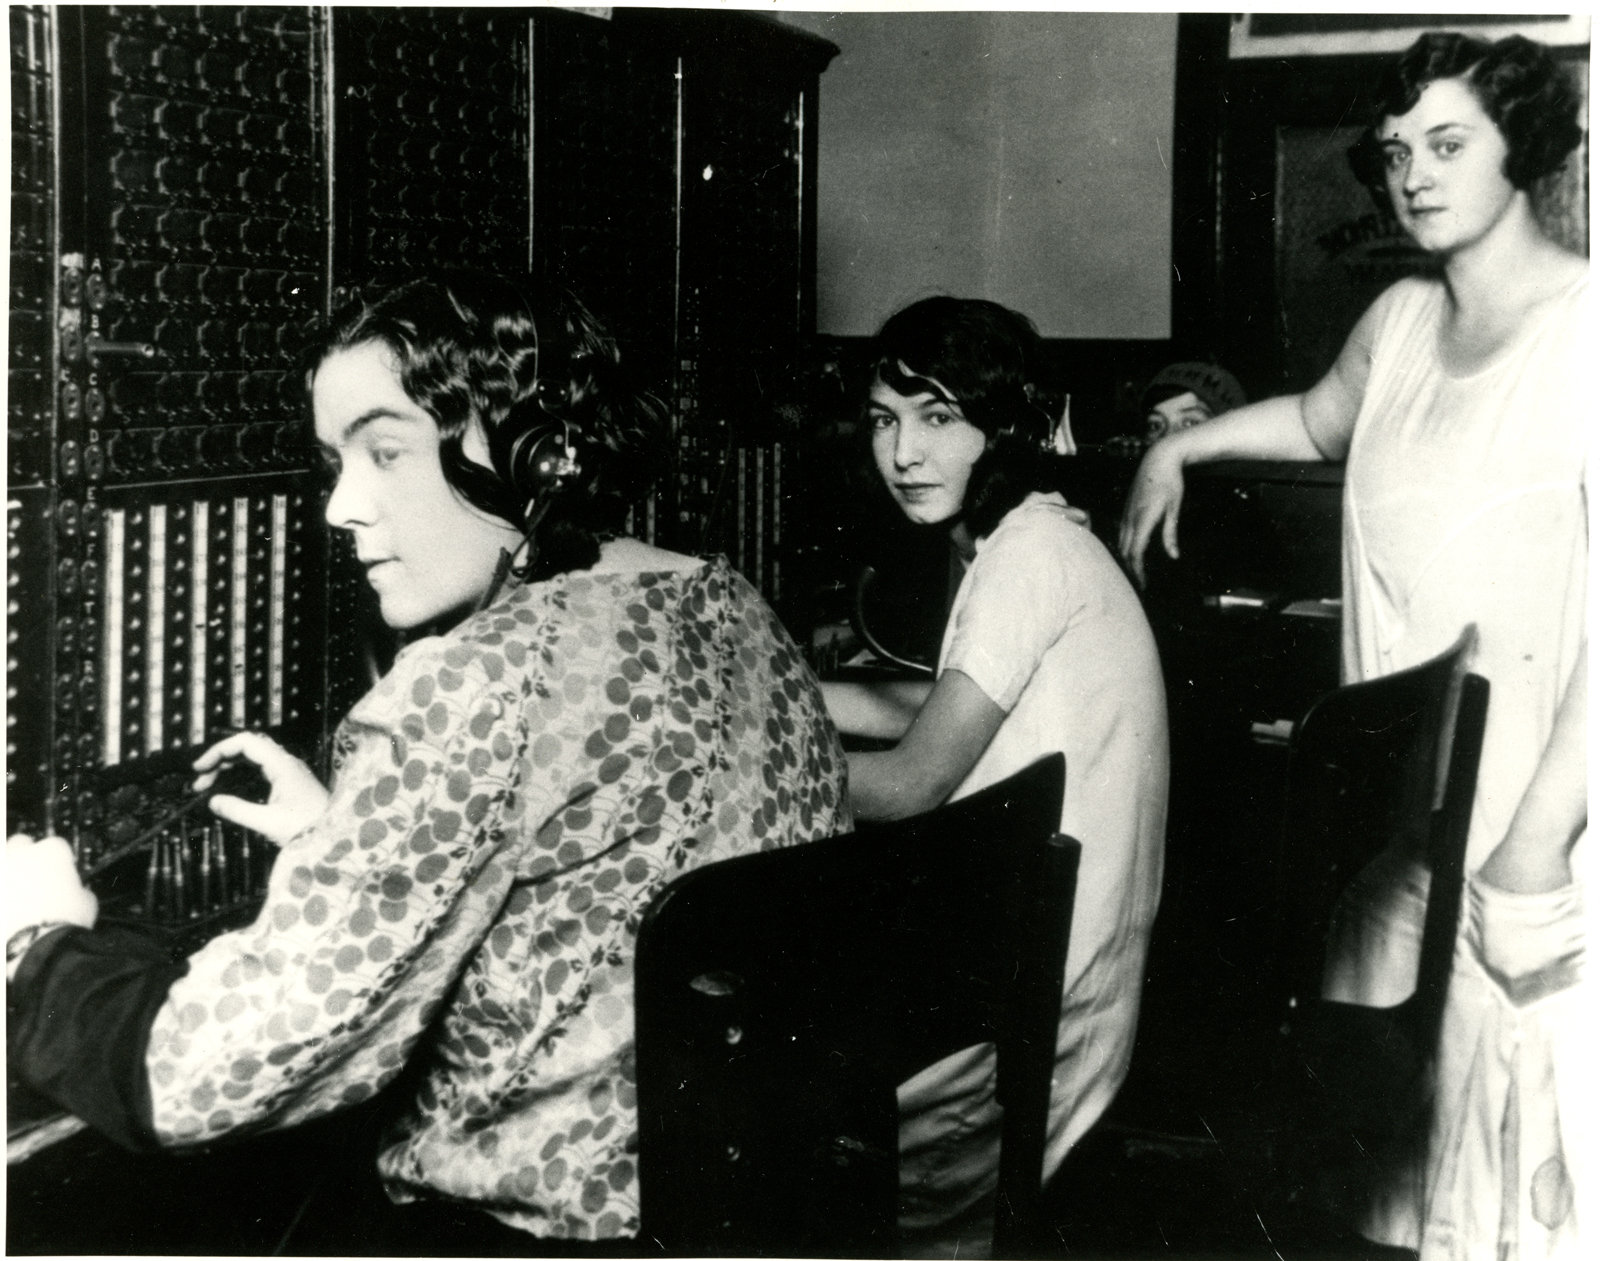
x,y
1294,34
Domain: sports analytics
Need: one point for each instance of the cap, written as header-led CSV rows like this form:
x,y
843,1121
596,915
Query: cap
x,y
1216,387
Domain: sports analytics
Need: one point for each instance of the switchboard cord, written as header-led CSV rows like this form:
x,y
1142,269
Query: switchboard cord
x,y
858,611
232,780
148,836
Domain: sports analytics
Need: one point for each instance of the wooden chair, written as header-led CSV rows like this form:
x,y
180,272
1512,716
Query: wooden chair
x,y
782,996
1388,761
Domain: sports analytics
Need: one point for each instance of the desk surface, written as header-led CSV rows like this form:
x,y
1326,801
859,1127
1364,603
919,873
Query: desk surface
x,y
1297,472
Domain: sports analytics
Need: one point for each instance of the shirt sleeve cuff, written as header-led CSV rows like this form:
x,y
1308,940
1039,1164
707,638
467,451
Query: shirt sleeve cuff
x,y
18,944
995,678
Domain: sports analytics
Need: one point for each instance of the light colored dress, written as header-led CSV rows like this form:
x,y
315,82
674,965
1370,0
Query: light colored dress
x,y
1466,502
1047,626
1511,1163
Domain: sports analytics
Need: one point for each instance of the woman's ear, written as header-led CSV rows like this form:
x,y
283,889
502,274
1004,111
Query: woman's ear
x,y
475,443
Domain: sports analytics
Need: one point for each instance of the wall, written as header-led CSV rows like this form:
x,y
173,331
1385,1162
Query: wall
x,y
1017,156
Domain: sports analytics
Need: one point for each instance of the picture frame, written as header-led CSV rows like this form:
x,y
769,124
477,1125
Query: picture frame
x,y
1296,34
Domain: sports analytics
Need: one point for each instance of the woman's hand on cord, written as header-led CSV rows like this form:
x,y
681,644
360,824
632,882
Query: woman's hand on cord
x,y
42,886
1153,503
296,798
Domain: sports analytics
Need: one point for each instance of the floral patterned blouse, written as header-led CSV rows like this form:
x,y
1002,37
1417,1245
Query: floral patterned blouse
x,y
506,802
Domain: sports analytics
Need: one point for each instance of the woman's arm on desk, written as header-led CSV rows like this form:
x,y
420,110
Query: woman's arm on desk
x,y
883,710
943,742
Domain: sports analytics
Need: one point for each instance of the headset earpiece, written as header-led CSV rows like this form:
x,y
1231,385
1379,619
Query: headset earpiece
x,y
537,451
538,460
1025,419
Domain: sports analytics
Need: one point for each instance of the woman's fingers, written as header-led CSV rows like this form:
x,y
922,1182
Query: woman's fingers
x,y
216,754
1152,504
1137,525
1167,491
295,799
275,762
260,749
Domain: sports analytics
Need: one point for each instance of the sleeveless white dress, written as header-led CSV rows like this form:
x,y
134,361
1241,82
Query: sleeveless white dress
x,y
1466,502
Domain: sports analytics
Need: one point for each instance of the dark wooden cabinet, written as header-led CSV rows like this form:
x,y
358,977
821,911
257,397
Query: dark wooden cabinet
x,y
1247,623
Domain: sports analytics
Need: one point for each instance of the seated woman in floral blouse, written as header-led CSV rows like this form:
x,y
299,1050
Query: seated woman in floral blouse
x,y
585,717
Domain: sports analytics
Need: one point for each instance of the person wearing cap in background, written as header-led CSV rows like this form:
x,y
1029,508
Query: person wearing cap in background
x,y
1183,395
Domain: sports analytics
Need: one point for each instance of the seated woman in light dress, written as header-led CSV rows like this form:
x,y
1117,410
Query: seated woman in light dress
x,y
1046,649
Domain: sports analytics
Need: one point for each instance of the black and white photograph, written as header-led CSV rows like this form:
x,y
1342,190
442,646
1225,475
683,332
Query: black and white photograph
x,y
908,629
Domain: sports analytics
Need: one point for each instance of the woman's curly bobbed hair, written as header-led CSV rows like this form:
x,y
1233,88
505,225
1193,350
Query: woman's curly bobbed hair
x,y
472,346
1519,83
981,356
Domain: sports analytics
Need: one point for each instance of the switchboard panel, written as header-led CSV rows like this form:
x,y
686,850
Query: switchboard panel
x,y
191,187
31,604
746,294
167,559
608,226
432,144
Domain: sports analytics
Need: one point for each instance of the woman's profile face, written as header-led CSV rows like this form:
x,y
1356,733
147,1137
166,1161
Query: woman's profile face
x,y
427,552
1444,162
925,449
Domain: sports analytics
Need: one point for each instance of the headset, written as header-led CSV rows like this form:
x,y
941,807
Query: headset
x,y
535,449
1026,419
537,456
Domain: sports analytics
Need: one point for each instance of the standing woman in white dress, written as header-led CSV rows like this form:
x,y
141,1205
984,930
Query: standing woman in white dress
x,y
1463,411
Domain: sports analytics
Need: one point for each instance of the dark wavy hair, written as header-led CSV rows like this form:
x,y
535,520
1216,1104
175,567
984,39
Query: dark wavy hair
x,y
1520,85
473,346
981,356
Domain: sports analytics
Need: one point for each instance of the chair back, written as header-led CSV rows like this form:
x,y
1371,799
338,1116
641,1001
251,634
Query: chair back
x,y
782,996
1389,761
